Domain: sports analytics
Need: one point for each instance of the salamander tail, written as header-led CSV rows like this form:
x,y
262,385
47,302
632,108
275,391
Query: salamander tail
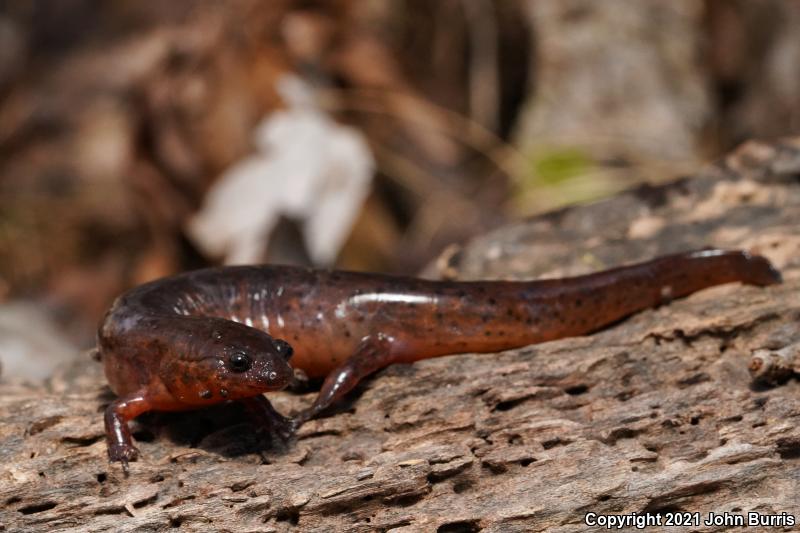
x,y
759,271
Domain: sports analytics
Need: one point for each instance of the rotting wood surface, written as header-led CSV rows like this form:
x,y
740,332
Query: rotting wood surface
x,y
657,413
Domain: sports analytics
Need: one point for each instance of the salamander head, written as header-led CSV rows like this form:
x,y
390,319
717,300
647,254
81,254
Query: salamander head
x,y
226,361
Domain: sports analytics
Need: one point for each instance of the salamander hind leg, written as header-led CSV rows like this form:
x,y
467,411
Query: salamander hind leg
x,y
374,353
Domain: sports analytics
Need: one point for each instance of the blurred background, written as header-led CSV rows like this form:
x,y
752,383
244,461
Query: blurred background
x,y
139,139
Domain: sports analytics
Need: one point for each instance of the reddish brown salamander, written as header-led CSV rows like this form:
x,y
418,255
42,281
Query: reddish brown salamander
x,y
210,336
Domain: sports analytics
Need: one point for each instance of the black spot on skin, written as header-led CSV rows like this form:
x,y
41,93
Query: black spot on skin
x,y
578,302
296,337
485,318
509,312
439,316
501,333
347,333
492,301
206,395
462,293
487,333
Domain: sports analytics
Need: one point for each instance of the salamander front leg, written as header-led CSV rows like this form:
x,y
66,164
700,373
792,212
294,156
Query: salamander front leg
x,y
374,353
118,414
266,417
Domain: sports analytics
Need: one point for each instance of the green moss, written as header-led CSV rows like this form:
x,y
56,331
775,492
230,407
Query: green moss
x,y
556,165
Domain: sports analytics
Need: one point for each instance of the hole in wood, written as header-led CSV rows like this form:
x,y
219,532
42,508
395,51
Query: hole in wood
x,y
577,390
288,515
462,526
37,508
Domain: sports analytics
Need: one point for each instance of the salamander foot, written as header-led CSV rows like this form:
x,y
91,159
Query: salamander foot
x,y
122,453
276,428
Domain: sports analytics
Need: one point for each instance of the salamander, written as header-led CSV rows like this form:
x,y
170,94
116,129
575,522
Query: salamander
x,y
230,333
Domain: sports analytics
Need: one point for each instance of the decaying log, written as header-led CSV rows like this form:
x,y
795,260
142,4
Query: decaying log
x,y
656,414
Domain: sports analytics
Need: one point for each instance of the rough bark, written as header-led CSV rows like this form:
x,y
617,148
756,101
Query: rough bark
x,y
615,77
654,414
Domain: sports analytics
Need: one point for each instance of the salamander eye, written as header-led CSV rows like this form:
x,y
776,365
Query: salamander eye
x,y
239,362
283,348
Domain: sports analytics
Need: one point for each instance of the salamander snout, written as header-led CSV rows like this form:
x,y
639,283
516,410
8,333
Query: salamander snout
x,y
269,368
221,360
251,365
